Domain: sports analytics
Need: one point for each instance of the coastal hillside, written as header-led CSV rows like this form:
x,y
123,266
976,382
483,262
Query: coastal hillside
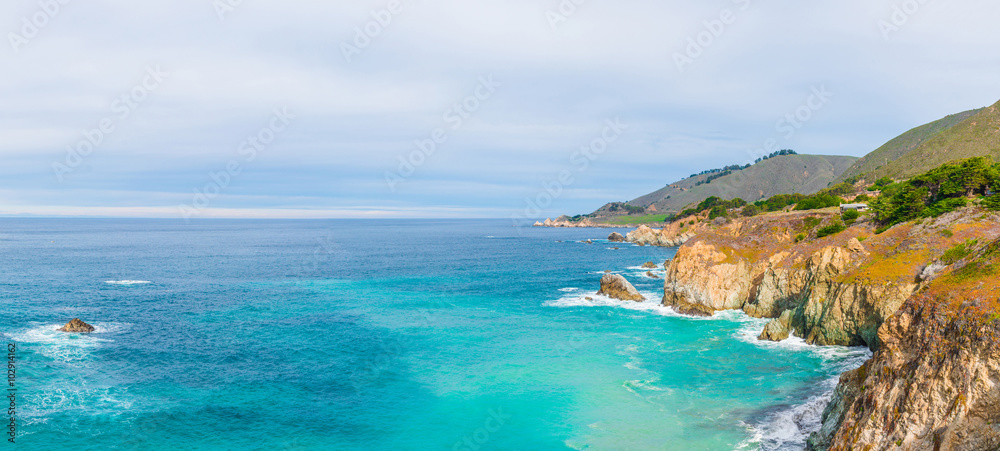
x,y
914,279
783,174
964,135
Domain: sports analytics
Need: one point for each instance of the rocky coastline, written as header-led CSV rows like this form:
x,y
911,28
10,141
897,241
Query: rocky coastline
x,y
566,222
916,295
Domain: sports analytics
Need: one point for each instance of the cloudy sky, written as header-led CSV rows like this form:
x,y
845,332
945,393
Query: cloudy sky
x,y
453,108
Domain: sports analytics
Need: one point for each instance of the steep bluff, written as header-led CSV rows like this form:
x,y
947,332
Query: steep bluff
x,y
839,288
922,295
934,383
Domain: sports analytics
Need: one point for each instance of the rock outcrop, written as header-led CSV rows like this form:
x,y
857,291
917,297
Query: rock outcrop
x,y
650,265
933,323
566,221
779,328
616,287
657,237
840,288
616,237
704,279
934,382
77,326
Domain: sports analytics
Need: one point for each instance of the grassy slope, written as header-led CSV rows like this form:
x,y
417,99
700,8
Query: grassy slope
x,y
903,144
639,219
970,134
804,174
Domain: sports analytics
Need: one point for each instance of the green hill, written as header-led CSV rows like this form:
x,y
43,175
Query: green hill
x,y
784,174
964,135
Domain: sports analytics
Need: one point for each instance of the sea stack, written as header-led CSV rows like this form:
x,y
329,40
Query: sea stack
x,y
616,237
616,287
77,326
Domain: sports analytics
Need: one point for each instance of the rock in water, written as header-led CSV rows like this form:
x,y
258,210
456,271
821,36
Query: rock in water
x,y
77,326
651,275
615,286
649,265
778,329
616,237
693,309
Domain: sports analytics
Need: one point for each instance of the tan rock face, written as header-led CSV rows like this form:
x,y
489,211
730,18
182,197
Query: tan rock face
x,y
779,328
934,381
77,326
616,287
931,386
616,237
657,237
700,274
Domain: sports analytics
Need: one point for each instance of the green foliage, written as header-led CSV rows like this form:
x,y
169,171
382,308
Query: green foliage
x,y
947,233
831,229
818,201
850,216
944,206
716,207
935,192
958,252
776,154
800,237
779,201
643,219
811,222
862,198
717,211
840,189
880,184
628,209
992,202
751,210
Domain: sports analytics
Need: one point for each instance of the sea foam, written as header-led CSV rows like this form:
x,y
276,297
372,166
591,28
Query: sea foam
x,y
788,428
127,282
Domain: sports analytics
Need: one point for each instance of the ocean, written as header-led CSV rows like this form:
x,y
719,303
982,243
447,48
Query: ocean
x,y
380,335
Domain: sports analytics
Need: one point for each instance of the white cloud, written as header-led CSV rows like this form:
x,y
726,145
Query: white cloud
x,y
608,59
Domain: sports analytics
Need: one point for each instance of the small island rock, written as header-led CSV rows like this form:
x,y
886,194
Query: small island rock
x,y
616,237
77,326
616,287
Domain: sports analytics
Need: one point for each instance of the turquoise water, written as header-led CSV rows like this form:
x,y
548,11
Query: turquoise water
x,y
422,335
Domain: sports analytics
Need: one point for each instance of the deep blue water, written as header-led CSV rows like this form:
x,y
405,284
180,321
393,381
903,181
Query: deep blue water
x,y
379,335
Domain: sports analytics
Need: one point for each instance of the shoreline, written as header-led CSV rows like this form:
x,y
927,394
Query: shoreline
x,y
854,288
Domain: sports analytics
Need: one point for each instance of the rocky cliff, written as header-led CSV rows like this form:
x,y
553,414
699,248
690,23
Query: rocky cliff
x,y
911,294
934,382
839,288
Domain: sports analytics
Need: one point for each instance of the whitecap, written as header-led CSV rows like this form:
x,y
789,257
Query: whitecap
x,y
127,282
651,305
66,347
788,428
568,289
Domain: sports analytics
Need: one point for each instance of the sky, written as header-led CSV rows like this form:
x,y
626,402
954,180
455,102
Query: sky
x,y
453,108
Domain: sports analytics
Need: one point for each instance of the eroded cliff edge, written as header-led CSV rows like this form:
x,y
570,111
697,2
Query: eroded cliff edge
x,y
932,382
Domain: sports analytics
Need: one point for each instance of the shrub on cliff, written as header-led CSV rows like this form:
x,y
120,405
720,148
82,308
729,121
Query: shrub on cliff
x,y
779,201
751,210
818,201
992,202
716,207
850,216
831,229
936,192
